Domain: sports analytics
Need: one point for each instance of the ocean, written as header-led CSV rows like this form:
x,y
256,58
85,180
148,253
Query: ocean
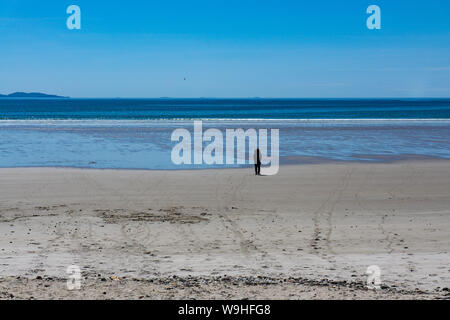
x,y
151,109
136,133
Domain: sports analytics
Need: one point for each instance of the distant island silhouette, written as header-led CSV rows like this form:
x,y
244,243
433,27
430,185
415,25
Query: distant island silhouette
x,y
30,95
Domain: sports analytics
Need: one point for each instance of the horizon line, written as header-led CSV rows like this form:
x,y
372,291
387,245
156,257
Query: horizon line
x,y
222,98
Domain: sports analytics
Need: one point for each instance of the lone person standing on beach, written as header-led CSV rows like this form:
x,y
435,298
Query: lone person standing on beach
x,y
257,159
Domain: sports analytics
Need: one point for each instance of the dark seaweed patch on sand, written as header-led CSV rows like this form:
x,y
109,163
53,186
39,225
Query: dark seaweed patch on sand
x,y
171,215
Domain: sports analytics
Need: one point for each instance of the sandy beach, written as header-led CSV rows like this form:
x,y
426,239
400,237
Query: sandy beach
x,y
309,232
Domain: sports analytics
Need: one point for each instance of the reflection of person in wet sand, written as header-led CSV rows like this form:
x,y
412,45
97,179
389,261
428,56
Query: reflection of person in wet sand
x,y
257,160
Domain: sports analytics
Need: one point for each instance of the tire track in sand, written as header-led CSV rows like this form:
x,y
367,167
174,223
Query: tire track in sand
x,y
323,215
226,194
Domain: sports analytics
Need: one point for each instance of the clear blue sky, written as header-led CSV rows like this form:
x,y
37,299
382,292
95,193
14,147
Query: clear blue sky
x,y
229,48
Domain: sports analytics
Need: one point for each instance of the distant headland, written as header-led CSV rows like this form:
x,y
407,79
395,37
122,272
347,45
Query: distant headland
x,y
30,95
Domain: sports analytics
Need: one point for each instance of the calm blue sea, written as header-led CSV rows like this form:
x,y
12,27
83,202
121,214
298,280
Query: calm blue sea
x,y
135,133
142,109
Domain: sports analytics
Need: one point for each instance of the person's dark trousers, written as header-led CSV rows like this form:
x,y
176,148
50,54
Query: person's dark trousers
x,y
258,169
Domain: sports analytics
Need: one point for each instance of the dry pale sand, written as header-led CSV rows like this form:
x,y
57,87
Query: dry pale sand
x,y
309,232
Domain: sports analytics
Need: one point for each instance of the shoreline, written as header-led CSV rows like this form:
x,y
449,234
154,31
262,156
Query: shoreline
x,y
149,146
285,161
317,223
